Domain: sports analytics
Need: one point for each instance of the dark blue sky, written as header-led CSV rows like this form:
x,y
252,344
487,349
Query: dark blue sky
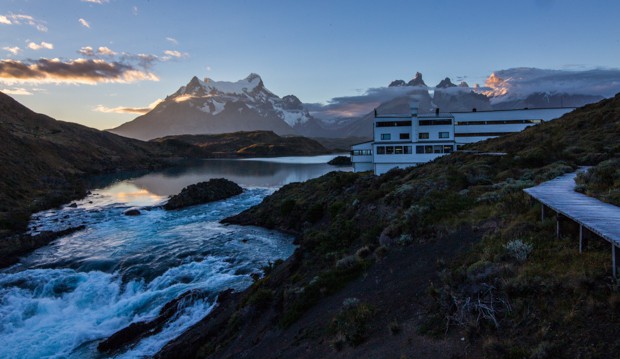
x,y
316,49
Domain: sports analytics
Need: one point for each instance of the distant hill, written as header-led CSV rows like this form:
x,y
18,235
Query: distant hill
x,y
41,160
241,144
212,107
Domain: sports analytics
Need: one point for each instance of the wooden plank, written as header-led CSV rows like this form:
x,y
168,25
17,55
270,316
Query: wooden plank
x,y
599,217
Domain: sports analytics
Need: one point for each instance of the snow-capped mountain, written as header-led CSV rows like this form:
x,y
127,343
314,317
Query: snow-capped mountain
x,y
210,107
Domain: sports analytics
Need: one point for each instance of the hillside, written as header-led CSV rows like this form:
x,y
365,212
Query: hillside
x,y
448,259
241,144
43,160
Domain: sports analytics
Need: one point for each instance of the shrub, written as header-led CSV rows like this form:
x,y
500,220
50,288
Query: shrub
x,y
352,322
518,250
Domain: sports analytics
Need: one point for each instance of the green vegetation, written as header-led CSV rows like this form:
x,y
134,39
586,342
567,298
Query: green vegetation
x,y
602,181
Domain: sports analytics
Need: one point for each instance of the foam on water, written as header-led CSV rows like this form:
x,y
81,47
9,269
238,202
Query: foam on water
x,y
63,299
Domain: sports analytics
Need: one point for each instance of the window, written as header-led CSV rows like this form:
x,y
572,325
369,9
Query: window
x,y
438,149
380,150
445,121
404,136
447,148
419,149
361,153
497,122
444,134
398,150
393,124
423,135
433,149
389,150
407,150
428,149
386,136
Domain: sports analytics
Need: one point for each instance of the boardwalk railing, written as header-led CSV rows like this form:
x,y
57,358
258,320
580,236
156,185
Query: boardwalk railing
x,y
600,218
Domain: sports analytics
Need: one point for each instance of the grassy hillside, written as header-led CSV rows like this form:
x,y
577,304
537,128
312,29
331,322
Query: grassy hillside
x,y
242,144
448,259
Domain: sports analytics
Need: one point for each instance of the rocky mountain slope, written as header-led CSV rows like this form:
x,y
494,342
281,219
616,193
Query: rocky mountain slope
x,y
447,259
212,107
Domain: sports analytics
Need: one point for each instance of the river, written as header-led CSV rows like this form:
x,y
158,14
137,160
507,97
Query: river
x,y
63,299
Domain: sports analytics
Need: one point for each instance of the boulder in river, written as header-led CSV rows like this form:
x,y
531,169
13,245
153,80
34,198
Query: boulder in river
x,y
132,212
215,189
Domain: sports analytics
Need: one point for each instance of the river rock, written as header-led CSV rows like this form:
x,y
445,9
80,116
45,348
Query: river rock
x,y
213,190
132,212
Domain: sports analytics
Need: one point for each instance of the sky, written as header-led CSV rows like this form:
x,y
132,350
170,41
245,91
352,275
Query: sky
x,y
101,63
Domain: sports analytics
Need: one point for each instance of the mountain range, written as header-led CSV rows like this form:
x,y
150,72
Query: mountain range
x,y
214,107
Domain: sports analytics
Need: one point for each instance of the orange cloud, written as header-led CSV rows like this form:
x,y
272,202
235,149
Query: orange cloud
x,y
42,45
79,71
19,19
84,23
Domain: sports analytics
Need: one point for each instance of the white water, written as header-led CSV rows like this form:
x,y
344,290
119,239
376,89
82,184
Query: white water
x,y
61,300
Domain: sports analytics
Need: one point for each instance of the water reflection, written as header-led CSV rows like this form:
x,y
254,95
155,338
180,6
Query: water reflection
x,y
263,172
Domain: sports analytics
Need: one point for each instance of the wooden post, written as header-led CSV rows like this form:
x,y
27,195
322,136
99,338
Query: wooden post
x,y
613,260
580,238
557,225
542,211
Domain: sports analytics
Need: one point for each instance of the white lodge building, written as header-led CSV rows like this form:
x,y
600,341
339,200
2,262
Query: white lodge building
x,y
405,141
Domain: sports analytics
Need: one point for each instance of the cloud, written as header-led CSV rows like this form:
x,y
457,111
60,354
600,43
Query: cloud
x,y
353,106
84,23
173,53
87,51
79,71
170,54
16,91
105,51
134,11
19,19
121,109
172,40
13,50
42,45
100,2
523,81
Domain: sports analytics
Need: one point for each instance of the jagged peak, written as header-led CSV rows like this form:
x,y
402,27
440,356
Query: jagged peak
x,y
464,84
253,76
445,83
417,80
397,83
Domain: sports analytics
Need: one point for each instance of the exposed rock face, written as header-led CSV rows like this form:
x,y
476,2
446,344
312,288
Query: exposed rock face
x,y
213,190
417,80
445,83
397,83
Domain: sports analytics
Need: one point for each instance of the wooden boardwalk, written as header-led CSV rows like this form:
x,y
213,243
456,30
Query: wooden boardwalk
x,y
602,219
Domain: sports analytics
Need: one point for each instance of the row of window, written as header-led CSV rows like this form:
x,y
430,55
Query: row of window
x,y
426,135
434,149
393,124
438,122
361,153
481,134
501,122
405,150
394,150
388,136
